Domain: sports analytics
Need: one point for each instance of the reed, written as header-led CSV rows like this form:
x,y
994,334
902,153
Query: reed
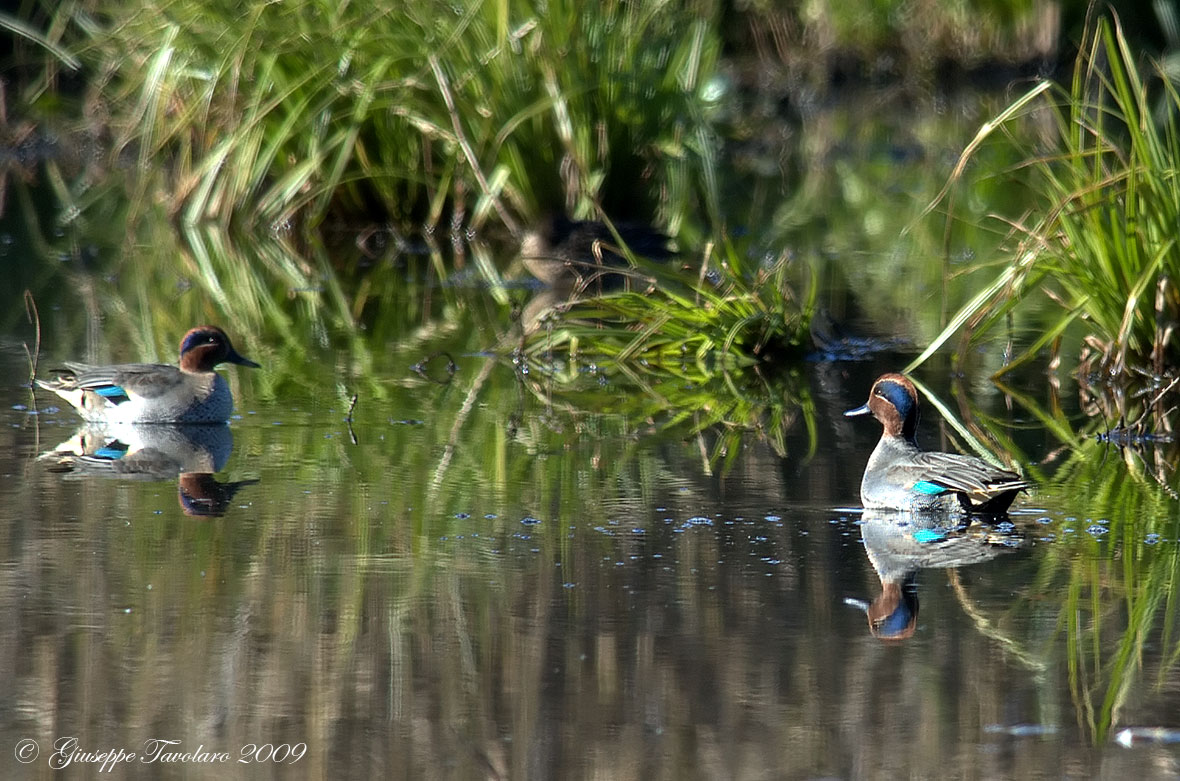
x,y
1101,242
419,113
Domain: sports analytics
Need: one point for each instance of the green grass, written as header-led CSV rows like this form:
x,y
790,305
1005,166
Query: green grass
x,y
263,113
721,352
701,325
1102,240
459,114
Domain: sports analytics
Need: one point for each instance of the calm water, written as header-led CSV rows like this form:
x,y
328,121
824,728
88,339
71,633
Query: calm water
x,y
484,577
581,605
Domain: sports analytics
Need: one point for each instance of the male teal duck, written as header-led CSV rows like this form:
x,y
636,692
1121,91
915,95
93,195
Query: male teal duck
x,y
155,393
900,476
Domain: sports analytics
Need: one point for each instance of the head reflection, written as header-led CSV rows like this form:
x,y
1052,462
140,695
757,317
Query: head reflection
x,y
893,615
899,544
200,495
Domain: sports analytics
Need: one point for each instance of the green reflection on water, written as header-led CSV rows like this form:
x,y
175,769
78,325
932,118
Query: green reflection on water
x,y
387,602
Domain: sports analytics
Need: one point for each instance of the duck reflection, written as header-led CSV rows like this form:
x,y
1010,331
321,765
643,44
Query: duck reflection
x,y
899,544
189,454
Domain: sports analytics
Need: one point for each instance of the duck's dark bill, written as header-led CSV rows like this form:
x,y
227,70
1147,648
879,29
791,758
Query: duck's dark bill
x,y
863,409
242,361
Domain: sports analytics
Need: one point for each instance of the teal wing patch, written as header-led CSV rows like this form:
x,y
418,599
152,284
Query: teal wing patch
x,y
928,488
928,535
112,393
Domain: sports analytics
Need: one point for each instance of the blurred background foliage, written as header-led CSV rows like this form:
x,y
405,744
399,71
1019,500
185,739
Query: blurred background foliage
x,y
429,114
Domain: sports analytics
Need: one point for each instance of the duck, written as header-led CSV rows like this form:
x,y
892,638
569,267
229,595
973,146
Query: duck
x,y
561,252
901,476
191,392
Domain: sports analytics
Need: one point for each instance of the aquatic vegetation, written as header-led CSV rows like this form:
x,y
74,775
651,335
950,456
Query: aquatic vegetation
x,y
699,344
1102,241
468,116
715,413
692,334
1120,536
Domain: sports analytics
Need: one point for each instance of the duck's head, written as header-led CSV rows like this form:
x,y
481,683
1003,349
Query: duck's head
x,y
205,346
894,402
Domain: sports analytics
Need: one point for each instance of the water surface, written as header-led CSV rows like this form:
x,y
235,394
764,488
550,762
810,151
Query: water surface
x,y
491,576
582,604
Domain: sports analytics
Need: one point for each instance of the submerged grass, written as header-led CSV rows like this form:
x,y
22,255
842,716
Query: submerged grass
x,y
1102,241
